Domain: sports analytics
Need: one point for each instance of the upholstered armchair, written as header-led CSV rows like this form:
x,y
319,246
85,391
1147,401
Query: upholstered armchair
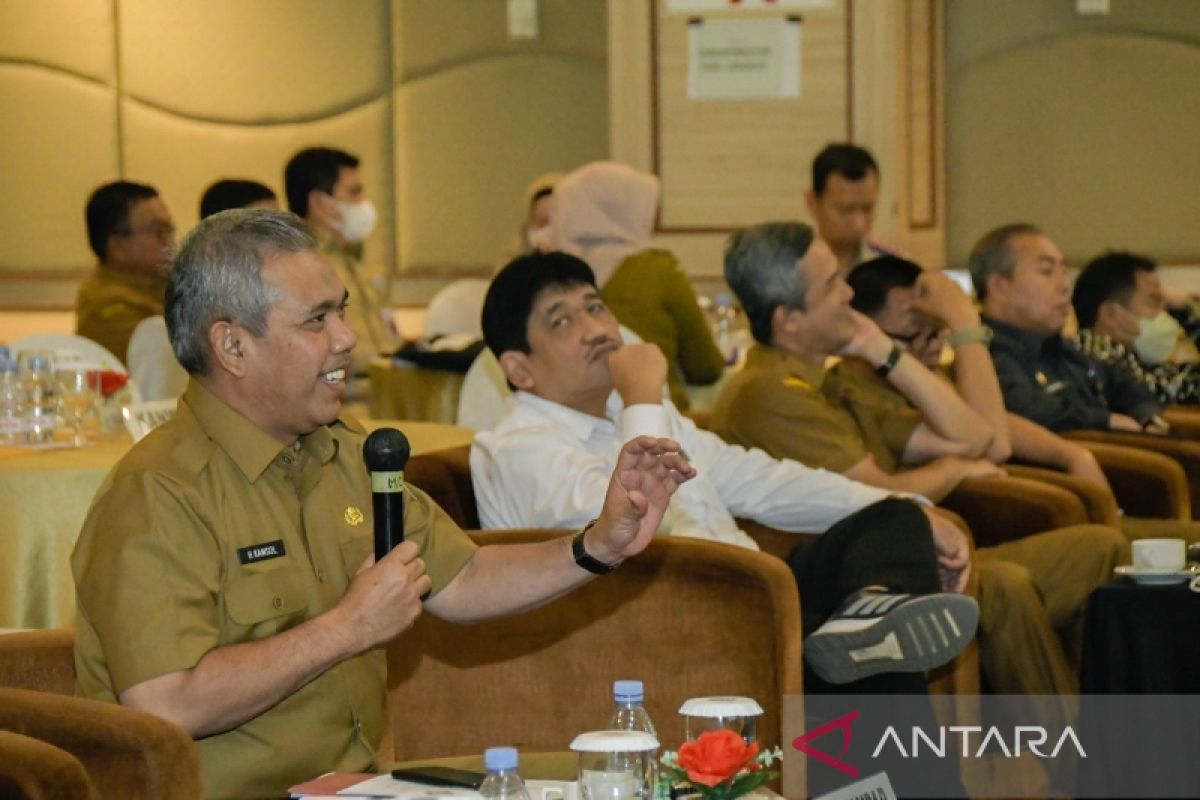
x,y
126,753
689,618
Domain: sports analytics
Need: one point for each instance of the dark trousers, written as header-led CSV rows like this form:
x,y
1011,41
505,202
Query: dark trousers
x,y
887,544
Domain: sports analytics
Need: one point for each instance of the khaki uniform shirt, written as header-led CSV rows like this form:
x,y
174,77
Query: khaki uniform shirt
x,y
210,533
110,305
363,313
823,418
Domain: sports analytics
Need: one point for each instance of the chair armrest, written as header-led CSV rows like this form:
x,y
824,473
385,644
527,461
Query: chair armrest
x,y
1003,509
1148,487
1100,504
128,752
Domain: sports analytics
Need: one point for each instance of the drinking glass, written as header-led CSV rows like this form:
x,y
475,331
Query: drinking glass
x,y
78,388
738,714
615,765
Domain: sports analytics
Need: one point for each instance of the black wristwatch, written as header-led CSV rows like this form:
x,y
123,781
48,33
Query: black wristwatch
x,y
592,565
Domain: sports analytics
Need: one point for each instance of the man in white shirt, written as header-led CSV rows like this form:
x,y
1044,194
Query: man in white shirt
x,y
581,393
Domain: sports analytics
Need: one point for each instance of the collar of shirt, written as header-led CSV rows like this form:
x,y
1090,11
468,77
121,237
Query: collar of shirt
x,y
150,284
250,447
581,425
1030,343
766,357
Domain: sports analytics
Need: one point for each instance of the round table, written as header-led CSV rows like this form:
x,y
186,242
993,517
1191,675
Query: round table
x,y
45,495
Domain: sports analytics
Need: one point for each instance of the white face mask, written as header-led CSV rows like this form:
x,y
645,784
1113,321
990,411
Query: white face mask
x,y
358,220
1156,337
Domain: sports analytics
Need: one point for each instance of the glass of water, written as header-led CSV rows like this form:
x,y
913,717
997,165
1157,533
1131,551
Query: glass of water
x,y
616,765
77,385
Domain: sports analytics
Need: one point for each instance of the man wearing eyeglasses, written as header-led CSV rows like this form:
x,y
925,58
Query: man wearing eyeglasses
x,y
786,401
132,234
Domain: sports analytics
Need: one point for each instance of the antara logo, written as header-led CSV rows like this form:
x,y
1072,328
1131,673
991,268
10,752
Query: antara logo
x,y
1029,737
991,741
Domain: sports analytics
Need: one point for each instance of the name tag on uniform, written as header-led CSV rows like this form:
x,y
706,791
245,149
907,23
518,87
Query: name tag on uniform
x,y
261,552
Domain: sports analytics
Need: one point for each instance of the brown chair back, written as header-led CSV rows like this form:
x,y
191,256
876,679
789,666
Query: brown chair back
x,y
445,475
41,660
128,754
688,618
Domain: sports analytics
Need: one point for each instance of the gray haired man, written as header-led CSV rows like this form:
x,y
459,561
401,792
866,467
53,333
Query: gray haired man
x,y
225,574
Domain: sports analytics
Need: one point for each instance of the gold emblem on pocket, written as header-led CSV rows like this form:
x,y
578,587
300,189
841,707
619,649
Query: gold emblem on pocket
x,y
354,517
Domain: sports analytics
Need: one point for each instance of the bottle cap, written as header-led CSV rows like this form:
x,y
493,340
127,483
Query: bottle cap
x,y
39,362
628,691
614,742
721,707
495,758
7,364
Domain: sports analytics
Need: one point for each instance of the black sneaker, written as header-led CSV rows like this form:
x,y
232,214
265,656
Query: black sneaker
x,y
876,632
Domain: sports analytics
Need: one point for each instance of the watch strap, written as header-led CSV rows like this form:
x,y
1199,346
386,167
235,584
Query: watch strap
x,y
889,363
579,552
981,333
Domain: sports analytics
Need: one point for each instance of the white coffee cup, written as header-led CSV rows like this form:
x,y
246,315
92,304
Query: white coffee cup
x,y
1163,554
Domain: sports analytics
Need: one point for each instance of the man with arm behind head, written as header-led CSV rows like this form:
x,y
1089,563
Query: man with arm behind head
x,y
787,402
225,574
580,392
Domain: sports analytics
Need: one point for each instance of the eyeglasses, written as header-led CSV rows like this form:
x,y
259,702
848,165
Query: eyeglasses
x,y
162,232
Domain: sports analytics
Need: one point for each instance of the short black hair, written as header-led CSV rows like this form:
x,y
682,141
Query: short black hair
x,y
314,168
515,289
1112,276
107,211
872,280
232,193
850,161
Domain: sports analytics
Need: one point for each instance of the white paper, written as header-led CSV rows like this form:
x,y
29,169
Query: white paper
x,y
387,786
741,59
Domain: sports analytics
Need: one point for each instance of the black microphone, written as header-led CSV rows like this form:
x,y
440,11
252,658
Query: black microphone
x,y
386,452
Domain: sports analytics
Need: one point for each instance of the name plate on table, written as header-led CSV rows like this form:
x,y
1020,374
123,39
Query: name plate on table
x,y
141,418
874,787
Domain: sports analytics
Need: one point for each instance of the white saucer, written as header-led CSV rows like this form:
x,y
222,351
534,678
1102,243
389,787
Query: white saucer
x,y
1156,577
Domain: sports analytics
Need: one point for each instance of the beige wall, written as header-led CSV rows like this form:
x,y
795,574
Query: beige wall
x,y
450,117
1087,126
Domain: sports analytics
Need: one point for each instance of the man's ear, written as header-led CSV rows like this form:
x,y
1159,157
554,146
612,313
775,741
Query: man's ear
x,y
1112,317
320,207
810,202
997,286
783,321
516,368
225,341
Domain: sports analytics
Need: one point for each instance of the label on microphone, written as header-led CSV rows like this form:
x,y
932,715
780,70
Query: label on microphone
x,y
387,482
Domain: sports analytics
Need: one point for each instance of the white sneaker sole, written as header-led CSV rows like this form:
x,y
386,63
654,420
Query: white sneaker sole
x,y
924,633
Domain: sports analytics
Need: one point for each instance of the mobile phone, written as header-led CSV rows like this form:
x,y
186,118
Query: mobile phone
x,y
440,776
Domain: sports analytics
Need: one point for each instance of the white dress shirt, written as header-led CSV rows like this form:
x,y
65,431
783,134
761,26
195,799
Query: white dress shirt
x,y
548,466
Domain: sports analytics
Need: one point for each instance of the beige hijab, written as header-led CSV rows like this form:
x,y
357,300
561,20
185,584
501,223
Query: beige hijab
x,y
604,212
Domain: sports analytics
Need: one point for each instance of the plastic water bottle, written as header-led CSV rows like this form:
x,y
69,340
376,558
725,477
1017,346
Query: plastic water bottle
x,y
12,399
628,712
502,781
41,413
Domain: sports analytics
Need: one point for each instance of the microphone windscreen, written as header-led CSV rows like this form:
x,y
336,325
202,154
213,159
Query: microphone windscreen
x,y
386,450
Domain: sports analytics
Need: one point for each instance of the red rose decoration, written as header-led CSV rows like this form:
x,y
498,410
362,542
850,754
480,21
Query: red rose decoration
x,y
716,756
112,382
